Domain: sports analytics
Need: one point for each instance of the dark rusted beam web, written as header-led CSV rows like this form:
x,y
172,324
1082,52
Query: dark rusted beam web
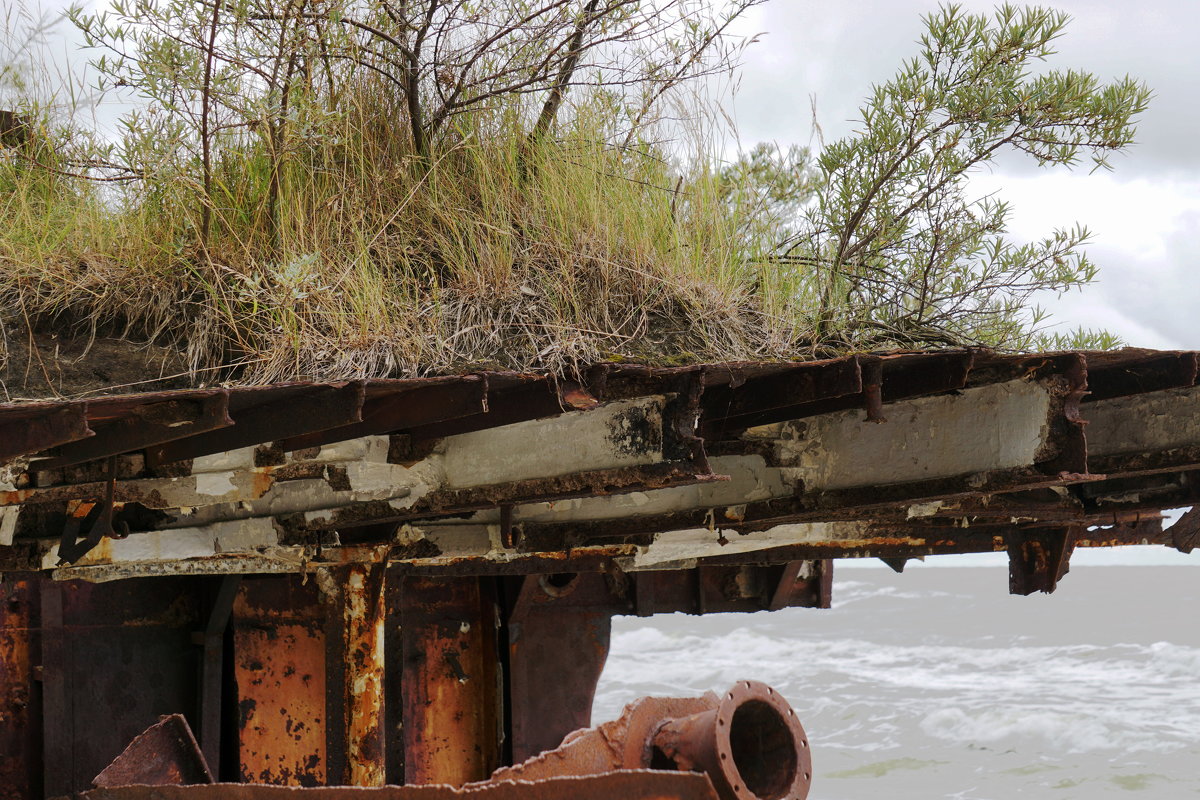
x,y
775,397
824,387
1121,374
275,414
388,411
25,430
505,406
558,638
135,427
212,670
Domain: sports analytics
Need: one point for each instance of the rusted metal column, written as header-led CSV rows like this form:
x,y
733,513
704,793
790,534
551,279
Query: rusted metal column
x,y
212,669
20,720
58,721
1039,558
279,668
558,637
451,706
362,680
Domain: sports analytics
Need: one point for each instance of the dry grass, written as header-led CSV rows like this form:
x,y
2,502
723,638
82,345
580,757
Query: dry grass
x,y
382,265
283,207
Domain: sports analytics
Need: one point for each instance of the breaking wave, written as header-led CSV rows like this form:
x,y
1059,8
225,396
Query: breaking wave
x,y
954,680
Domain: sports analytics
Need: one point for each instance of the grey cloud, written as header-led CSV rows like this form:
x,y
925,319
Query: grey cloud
x,y
837,50
1158,292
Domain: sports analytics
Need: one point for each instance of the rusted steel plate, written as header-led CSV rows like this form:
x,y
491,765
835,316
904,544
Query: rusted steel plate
x,y
25,430
622,785
58,722
143,426
280,672
450,705
125,646
165,754
558,638
20,717
399,410
298,410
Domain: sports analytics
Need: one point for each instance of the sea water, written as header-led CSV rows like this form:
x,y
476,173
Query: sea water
x,y
937,683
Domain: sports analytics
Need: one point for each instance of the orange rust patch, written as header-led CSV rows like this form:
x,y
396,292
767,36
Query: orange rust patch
x,y
279,668
18,776
263,481
15,496
364,630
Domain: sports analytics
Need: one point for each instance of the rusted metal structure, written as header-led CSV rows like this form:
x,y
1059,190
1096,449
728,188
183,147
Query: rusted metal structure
x,y
392,582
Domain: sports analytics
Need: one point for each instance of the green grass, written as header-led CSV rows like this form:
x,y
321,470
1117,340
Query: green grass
x,y
377,263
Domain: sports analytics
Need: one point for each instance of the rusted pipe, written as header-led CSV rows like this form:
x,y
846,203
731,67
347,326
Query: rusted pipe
x,y
748,742
751,745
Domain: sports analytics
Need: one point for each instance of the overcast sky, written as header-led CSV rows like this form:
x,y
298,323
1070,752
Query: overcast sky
x,y
1145,215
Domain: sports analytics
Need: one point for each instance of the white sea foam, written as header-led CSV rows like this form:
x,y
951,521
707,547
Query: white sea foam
x,y
923,686
1071,733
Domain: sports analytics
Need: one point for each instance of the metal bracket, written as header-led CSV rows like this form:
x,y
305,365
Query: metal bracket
x,y
70,547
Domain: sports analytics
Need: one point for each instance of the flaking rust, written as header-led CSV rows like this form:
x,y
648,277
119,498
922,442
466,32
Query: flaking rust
x,y
279,673
19,726
364,633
